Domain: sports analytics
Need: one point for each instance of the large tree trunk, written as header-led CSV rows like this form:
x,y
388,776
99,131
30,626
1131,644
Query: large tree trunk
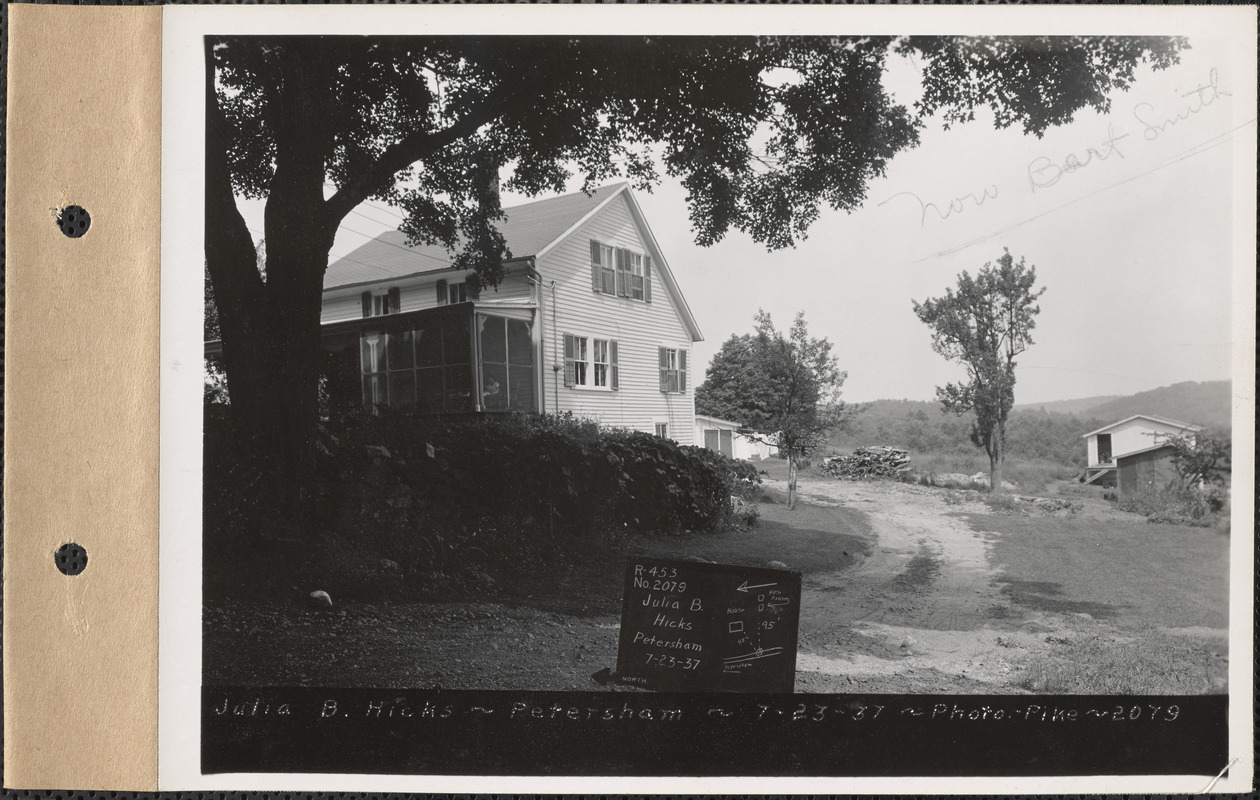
x,y
270,328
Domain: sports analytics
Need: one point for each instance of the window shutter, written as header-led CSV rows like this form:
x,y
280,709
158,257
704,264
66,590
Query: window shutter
x,y
442,297
663,362
366,299
612,363
395,300
647,278
622,270
596,280
682,371
569,357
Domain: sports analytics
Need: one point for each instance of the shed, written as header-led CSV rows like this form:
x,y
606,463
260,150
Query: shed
x,y
1150,469
723,435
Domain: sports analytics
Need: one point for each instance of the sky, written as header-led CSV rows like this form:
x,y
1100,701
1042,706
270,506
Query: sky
x,y
1128,218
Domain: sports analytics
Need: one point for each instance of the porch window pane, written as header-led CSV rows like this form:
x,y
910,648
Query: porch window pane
x,y
402,389
458,388
400,350
429,390
520,343
521,388
456,347
428,347
493,340
494,387
375,391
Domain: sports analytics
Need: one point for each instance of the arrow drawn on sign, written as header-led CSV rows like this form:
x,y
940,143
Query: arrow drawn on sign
x,y
744,587
753,656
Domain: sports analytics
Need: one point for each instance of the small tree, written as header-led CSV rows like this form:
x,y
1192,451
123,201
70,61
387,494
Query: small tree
x,y
984,325
1201,459
782,389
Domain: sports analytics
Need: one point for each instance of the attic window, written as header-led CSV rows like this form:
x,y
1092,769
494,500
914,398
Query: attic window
x,y
620,272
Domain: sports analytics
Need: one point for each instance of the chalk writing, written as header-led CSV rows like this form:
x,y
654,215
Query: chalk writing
x,y
696,626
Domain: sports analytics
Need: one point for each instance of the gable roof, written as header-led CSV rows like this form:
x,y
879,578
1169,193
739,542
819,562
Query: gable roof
x,y
1144,451
528,230
1185,426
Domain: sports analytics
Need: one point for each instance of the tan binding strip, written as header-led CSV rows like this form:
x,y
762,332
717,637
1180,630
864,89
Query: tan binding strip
x,y
81,398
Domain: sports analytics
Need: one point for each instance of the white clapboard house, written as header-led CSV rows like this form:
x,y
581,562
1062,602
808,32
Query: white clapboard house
x,y
589,320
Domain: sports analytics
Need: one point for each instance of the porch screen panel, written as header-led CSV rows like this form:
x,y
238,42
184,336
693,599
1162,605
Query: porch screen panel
x,y
428,350
494,368
520,346
457,363
507,363
726,446
711,439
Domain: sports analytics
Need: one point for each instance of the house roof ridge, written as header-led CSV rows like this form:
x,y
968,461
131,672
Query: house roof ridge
x,y
1176,423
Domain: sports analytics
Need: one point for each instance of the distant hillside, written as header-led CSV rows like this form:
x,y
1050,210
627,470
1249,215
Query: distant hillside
x,y
1205,404
1044,430
1082,405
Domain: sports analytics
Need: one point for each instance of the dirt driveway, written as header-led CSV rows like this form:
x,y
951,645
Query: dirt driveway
x,y
916,613
900,595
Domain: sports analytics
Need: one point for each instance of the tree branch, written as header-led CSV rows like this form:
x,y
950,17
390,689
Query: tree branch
x,y
413,148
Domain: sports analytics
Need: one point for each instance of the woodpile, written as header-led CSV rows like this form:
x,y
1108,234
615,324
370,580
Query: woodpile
x,y
867,462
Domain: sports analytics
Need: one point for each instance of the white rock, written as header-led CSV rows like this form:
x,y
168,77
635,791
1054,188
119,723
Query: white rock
x,y
319,599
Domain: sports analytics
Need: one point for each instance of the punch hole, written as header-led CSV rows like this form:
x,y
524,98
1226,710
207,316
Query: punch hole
x,y
70,558
74,221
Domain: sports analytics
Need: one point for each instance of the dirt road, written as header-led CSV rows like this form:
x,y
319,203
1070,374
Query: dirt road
x,y
915,614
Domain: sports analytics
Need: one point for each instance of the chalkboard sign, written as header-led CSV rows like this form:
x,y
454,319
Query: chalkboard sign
x,y
691,626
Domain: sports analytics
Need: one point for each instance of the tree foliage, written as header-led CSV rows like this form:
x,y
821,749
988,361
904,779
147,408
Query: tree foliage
x,y
781,388
761,131
1199,459
983,325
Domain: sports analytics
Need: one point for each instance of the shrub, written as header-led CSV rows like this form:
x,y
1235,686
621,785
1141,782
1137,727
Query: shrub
x,y
454,502
1178,504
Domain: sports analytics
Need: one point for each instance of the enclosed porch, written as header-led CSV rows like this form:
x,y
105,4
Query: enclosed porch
x,y
461,358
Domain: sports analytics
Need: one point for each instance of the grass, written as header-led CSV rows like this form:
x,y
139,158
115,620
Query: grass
x,y
1028,474
1144,577
808,538
1146,665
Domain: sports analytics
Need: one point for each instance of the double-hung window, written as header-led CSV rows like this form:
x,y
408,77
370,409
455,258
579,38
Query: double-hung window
x,y
620,272
673,369
590,362
451,293
376,304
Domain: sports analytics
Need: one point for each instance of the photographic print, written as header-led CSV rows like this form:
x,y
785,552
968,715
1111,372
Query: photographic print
x,y
675,402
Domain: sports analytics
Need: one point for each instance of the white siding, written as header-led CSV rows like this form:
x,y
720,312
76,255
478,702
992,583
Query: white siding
x,y
415,294
1136,434
639,328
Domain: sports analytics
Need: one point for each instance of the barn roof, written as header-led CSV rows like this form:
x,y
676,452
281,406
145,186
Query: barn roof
x,y
1144,450
529,229
1185,426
